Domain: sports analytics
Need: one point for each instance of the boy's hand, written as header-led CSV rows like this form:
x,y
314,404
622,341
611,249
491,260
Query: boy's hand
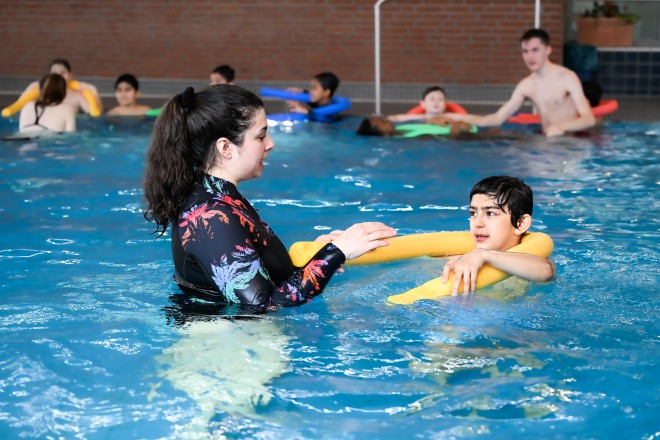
x,y
466,268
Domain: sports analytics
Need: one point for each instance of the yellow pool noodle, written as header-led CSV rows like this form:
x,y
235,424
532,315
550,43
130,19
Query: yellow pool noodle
x,y
432,244
11,109
534,243
33,94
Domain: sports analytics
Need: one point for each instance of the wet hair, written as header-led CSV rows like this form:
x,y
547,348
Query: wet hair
x,y
182,146
328,81
433,89
536,33
510,193
52,90
63,62
225,71
129,79
366,128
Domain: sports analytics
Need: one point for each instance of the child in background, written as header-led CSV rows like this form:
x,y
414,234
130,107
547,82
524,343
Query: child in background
x,y
322,89
222,75
500,214
127,91
434,102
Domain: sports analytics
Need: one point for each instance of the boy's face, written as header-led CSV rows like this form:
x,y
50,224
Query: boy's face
x,y
126,95
318,94
491,226
216,78
434,103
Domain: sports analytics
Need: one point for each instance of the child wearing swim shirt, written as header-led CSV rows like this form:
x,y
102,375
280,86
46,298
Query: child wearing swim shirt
x,y
434,103
127,91
500,214
322,89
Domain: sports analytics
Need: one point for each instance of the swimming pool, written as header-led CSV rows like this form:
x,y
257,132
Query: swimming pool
x,y
96,343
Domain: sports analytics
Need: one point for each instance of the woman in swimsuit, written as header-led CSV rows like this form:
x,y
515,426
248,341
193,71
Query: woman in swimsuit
x,y
203,145
49,112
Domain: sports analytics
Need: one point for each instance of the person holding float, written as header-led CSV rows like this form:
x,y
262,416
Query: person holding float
x,y
555,91
203,146
434,103
498,245
319,104
80,95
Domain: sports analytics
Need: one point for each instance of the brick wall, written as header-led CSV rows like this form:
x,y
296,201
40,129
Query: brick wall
x,y
432,41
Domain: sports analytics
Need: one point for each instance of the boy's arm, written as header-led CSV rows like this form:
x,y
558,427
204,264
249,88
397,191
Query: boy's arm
x,y
466,267
585,119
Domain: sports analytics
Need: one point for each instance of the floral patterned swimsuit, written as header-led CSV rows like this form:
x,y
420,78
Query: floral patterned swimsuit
x,y
223,251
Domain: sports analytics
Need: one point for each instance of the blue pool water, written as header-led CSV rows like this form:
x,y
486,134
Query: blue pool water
x,y
95,342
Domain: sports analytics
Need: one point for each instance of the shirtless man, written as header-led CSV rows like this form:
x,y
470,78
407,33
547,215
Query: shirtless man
x,y
555,91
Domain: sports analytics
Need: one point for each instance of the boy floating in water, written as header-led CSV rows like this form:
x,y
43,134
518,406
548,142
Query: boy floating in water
x,y
127,91
434,103
323,87
500,214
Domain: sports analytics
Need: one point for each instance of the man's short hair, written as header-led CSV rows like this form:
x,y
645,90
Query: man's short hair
x,y
536,33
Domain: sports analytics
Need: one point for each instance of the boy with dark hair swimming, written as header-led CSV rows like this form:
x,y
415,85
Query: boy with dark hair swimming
x,y
127,91
500,214
322,89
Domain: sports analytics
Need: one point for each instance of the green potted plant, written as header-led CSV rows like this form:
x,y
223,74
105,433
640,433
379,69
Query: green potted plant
x,y
605,24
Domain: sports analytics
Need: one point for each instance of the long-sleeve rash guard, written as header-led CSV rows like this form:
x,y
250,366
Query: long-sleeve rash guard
x,y
223,250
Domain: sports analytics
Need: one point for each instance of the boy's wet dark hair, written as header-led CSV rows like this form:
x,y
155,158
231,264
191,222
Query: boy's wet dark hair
x,y
433,89
536,33
328,81
129,79
510,193
225,71
376,126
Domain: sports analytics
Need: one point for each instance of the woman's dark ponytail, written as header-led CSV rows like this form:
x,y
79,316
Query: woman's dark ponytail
x,y
182,146
169,175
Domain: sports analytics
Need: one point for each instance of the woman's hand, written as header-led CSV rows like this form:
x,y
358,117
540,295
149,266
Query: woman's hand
x,y
362,238
329,237
466,268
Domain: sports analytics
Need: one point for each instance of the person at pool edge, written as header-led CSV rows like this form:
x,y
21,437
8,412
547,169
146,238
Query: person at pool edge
x,y
500,214
223,74
555,91
203,145
127,92
322,89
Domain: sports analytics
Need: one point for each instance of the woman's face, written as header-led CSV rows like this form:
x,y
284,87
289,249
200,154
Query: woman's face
x,y
251,155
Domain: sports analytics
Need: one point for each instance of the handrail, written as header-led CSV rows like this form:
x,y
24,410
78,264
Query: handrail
x,y
377,54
